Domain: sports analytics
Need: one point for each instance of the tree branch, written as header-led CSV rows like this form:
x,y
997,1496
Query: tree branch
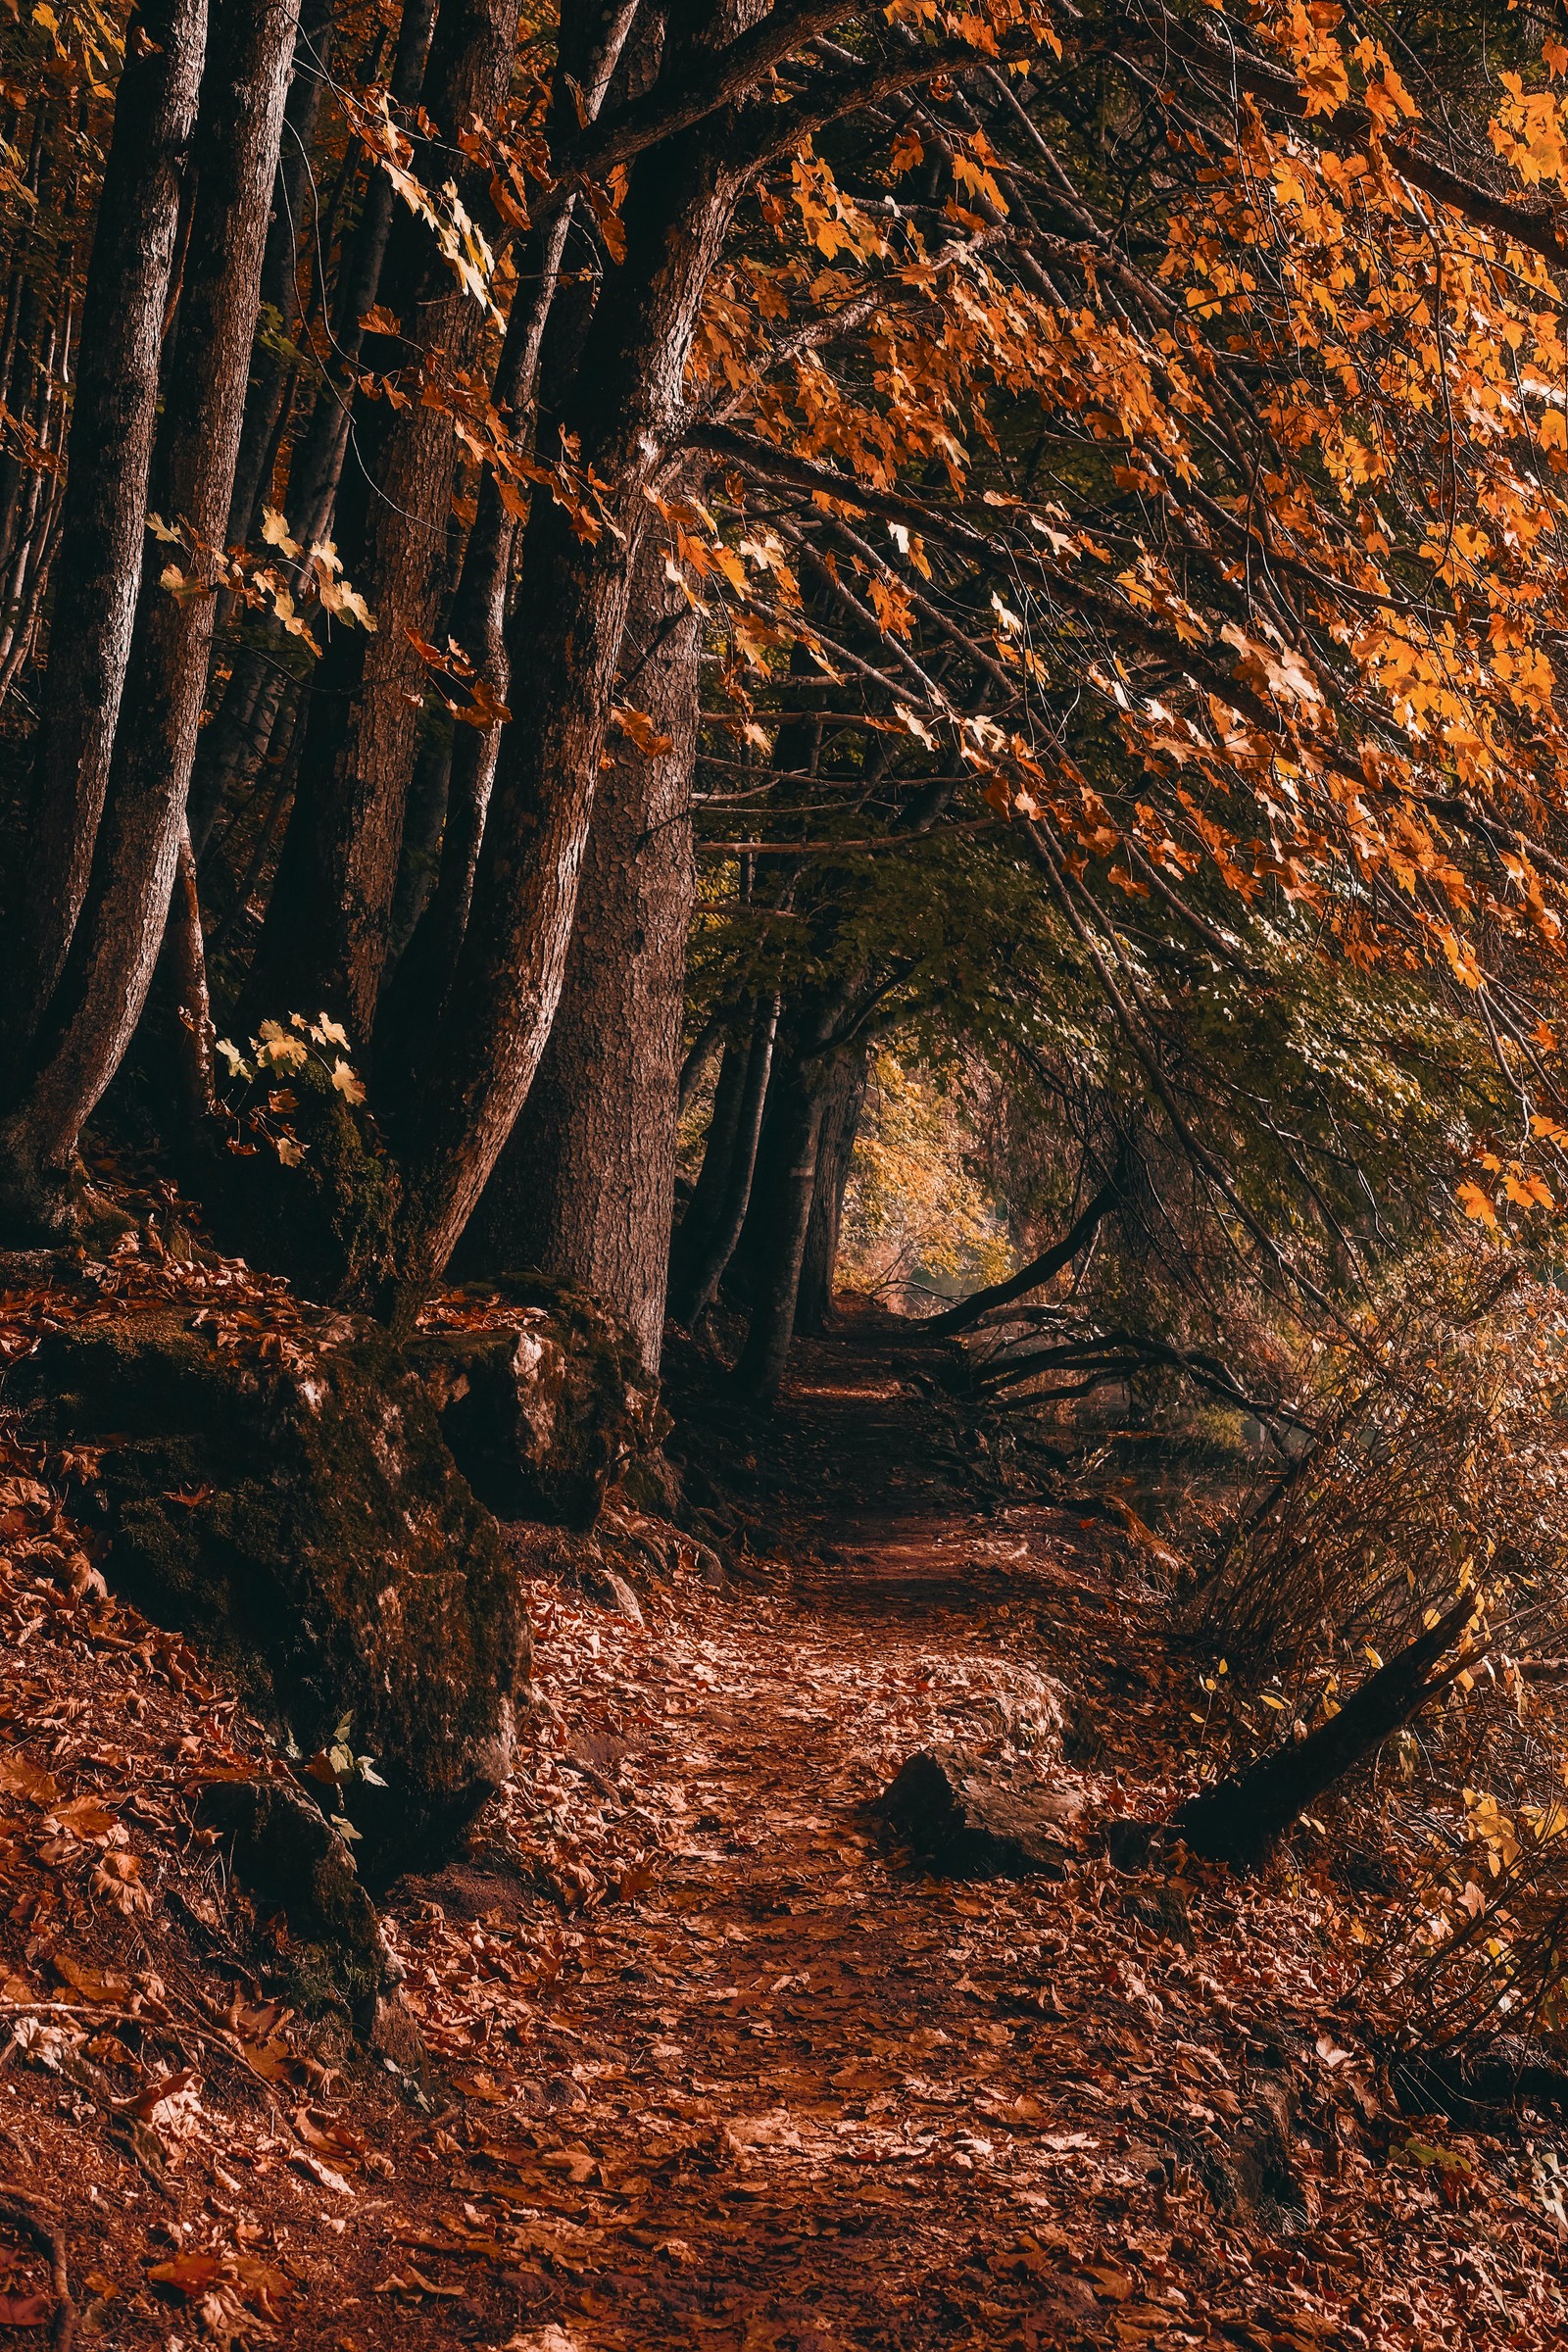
x,y
1051,1261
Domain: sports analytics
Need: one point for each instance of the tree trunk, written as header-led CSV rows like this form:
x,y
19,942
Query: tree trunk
x,y
798,1101
590,50
103,529
105,983
709,1040
841,1119
173,1052
472,1074
711,1227
316,469
585,1187
324,940
293,206
710,1192
478,625
239,737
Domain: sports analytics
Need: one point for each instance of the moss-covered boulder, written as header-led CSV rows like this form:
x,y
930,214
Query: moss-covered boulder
x,y
285,1497
542,1397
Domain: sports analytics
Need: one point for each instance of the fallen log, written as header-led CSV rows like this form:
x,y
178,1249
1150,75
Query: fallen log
x,y
1242,1817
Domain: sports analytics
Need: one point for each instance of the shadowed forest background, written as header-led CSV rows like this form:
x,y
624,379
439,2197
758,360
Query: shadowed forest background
x,y
782,1000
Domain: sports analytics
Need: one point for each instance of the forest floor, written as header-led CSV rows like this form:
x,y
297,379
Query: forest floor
x,y
711,2063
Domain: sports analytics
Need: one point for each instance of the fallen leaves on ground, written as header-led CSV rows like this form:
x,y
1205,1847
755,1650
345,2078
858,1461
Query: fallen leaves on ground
x,y
710,2064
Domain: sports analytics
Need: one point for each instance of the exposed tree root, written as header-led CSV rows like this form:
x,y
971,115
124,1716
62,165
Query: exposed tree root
x,y
25,2214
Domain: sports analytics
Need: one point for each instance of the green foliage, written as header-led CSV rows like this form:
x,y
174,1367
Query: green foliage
x,y
917,1217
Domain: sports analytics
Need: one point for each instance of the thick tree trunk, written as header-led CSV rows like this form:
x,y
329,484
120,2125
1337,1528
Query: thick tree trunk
x,y
103,529
100,995
472,1073
798,1101
325,941
585,1187
841,1119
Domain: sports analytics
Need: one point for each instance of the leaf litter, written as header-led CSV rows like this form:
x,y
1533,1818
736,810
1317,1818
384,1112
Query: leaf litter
x,y
708,2062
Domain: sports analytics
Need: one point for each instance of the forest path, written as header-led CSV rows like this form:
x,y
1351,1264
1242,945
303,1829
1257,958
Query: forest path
x,y
710,2064
794,2095
792,2054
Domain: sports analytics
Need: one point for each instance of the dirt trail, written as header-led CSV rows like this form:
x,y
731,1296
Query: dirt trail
x,y
710,2064
804,2096
823,2099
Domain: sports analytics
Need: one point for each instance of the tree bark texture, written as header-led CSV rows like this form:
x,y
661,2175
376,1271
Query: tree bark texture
x,y
293,216
236,743
472,1074
117,941
841,1119
324,941
109,451
796,1102
590,52
585,1187
318,466
478,623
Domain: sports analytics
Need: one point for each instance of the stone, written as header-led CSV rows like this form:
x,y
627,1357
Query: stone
x,y
1258,2166
541,1396
974,1821
1037,1711
285,1498
623,1599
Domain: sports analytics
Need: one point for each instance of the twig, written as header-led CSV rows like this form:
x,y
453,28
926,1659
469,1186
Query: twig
x,y
22,2210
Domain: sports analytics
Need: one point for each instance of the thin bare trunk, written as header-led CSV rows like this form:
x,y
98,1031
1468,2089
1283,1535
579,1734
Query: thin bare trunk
x,y
800,1094
99,566
841,1119
717,1208
99,1001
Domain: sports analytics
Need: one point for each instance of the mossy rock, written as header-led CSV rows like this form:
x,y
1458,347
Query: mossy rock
x,y
542,1397
285,1497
